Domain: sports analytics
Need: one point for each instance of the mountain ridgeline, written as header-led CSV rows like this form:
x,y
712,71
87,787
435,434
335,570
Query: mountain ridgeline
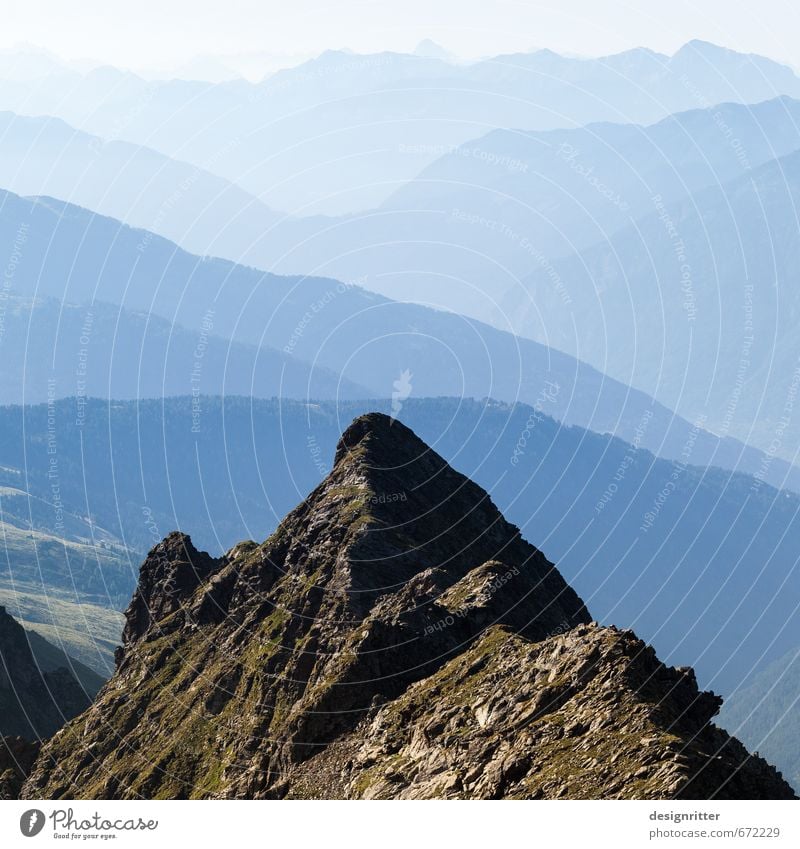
x,y
235,466
395,637
570,279
342,131
196,324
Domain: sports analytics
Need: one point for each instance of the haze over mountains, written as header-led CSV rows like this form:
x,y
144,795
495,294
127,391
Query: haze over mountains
x,y
130,182
491,235
96,350
573,278
292,336
736,339
484,213
342,131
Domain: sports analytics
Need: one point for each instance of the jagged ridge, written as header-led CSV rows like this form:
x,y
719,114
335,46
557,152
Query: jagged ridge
x,y
252,674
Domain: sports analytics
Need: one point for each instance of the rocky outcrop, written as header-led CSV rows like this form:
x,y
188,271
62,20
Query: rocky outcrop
x,y
36,698
589,714
394,637
171,573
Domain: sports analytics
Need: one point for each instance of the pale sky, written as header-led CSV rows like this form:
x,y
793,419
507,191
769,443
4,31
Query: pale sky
x,y
153,34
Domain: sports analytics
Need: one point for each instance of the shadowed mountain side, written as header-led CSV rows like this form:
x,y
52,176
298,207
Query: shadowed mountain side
x,y
38,693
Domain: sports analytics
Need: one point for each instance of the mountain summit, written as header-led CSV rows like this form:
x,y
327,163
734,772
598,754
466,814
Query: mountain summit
x,y
395,637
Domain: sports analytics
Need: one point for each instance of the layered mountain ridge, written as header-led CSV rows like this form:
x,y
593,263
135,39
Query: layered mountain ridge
x,y
395,637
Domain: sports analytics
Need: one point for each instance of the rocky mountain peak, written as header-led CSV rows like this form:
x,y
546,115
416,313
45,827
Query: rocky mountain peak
x,y
377,439
169,575
386,603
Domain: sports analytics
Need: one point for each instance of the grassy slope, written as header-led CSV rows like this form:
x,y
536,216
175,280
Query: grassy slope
x,y
45,583
87,632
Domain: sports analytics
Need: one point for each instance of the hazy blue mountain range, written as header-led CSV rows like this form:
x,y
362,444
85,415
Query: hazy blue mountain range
x,y
459,234
133,183
695,304
465,231
59,251
342,131
53,349
25,62
483,216
764,714
696,560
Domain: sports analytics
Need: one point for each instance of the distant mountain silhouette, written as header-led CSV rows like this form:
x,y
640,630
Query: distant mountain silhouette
x,y
695,303
67,253
339,133
52,349
134,183
461,235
